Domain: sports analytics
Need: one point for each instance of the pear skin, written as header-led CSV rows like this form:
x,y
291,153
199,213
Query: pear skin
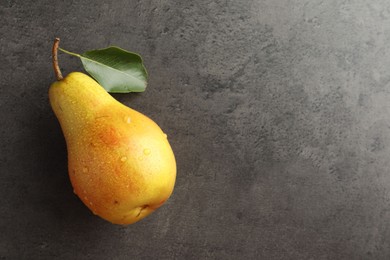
x,y
120,162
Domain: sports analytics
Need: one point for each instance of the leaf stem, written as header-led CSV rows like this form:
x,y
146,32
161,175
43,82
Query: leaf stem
x,y
70,53
54,52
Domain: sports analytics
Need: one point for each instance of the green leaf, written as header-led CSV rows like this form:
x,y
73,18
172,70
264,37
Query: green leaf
x,y
116,70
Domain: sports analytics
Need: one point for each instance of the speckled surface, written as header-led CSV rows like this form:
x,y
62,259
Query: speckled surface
x,y
278,113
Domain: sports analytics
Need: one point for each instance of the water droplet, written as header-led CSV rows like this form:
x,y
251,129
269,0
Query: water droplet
x,y
146,151
165,135
94,212
90,203
85,170
124,158
127,119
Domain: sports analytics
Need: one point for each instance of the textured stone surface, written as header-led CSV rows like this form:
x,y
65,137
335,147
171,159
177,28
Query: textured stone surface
x,y
278,112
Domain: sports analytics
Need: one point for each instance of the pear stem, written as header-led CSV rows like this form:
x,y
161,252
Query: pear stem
x,y
54,53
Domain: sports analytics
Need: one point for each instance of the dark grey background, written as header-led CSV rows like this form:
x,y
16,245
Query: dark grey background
x,y
278,112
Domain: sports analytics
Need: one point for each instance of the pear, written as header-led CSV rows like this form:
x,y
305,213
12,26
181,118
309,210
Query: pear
x,y
120,162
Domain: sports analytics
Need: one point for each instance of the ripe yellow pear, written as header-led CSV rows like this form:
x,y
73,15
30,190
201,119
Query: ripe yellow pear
x,y
120,162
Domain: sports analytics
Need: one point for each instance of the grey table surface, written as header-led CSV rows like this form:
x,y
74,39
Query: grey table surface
x,y
278,112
